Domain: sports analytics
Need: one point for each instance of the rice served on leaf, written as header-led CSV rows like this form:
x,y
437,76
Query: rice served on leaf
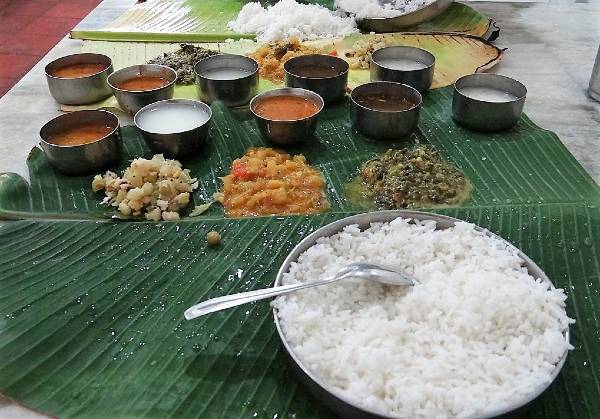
x,y
287,19
477,333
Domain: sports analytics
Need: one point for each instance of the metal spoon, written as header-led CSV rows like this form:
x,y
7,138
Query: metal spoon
x,y
360,270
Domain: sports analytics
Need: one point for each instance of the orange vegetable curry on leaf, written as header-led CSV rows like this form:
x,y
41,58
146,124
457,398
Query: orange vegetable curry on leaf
x,y
268,182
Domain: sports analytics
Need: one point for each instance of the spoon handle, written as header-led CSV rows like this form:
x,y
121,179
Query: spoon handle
x,y
233,300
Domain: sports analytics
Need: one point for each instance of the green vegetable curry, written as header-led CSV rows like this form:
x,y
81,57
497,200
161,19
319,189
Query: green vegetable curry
x,y
410,178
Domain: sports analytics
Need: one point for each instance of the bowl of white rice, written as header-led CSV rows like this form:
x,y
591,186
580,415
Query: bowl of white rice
x,y
392,15
482,333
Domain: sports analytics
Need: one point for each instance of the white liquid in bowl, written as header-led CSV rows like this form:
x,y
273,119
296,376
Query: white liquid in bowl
x,y
488,94
172,118
225,73
402,64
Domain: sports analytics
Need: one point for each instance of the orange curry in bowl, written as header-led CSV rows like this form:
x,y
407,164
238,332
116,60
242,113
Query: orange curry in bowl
x,y
266,181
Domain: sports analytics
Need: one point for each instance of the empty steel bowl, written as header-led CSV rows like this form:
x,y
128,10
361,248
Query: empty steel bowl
x,y
132,101
79,90
406,65
84,158
232,79
181,144
287,131
347,407
380,124
488,102
323,74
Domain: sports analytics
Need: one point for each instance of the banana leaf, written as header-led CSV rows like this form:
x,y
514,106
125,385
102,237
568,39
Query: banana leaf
x,y
521,166
91,309
92,321
206,21
456,56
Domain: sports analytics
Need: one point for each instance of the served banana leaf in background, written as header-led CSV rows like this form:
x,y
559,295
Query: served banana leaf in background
x,y
206,21
456,56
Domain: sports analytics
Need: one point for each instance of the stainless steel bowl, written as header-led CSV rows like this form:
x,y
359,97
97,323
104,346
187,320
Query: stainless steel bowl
x,y
331,89
132,101
80,90
323,391
385,125
232,92
178,144
420,79
285,131
486,116
395,24
84,158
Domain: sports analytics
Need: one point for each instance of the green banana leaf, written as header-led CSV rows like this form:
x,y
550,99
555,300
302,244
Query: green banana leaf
x,y
521,166
91,309
206,21
92,321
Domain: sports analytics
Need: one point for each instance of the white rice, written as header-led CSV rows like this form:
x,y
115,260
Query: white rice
x,y
372,8
477,333
288,18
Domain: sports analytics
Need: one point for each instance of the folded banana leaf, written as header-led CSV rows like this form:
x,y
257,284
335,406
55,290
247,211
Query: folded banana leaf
x,y
456,56
206,21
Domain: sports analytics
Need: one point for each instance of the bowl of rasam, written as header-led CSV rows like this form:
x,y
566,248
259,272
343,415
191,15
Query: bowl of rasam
x,y
82,142
385,110
79,79
175,127
140,85
287,115
325,75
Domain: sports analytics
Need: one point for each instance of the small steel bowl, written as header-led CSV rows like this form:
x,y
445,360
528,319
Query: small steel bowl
x,y
385,125
84,158
420,79
132,101
488,116
232,92
350,408
80,90
408,20
176,144
331,88
287,131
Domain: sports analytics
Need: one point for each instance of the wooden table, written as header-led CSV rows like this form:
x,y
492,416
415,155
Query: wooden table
x,y
551,49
